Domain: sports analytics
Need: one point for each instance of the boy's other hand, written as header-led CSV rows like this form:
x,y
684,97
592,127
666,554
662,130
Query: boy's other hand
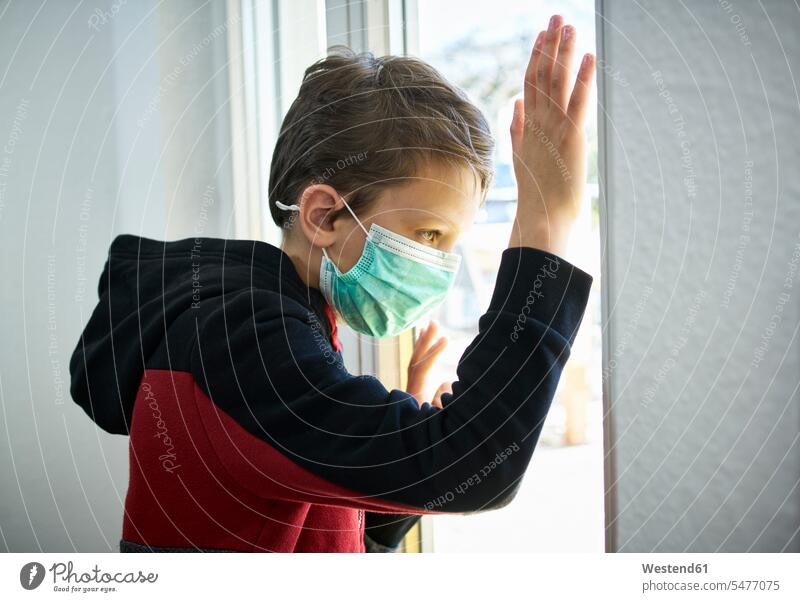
x,y
427,350
548,141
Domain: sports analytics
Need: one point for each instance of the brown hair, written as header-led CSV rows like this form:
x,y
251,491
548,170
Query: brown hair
x,y
362,124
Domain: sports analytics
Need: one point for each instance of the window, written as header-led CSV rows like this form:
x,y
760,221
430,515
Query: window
x,y
559,505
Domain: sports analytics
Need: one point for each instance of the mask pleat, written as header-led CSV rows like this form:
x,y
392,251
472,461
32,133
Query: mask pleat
x,y
391,293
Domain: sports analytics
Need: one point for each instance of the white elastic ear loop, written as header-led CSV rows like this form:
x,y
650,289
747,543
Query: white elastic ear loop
x,y
280,205
286,207
360,225
295,207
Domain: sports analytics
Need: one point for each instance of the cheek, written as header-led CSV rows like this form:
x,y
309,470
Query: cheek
x,y
349,250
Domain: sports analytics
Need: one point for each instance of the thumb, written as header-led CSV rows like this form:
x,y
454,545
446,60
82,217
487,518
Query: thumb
x,y
443,388
517,123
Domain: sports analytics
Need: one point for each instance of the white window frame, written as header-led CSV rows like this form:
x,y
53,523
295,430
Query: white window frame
x,y
265,70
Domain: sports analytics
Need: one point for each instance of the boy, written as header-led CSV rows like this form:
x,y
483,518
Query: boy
x,y
220,358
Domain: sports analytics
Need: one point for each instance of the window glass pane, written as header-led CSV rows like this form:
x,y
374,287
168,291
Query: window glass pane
x,y
560,504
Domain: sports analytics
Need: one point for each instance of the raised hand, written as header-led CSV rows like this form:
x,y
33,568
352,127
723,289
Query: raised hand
x,y
548,140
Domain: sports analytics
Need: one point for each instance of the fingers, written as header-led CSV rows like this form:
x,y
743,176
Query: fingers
x,y
437,399
425,349
560,80
544,69
431,355
445,388
424,338
529,89
579,101
427,333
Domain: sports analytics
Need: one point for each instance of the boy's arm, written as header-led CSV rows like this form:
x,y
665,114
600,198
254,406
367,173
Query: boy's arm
x,y
291,423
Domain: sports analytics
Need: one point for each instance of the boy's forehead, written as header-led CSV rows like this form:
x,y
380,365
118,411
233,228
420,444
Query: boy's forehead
x,y
452,198
451,184
460,176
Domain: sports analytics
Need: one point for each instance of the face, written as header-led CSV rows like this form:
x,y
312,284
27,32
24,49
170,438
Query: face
x,y
434,208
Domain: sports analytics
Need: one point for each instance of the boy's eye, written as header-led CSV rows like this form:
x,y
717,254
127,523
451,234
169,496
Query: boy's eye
x,y
429,236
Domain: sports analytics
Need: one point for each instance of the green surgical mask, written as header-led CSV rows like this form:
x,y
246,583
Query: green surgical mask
x,y
394,283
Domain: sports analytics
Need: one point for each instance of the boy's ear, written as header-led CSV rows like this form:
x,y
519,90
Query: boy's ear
x,y
317,203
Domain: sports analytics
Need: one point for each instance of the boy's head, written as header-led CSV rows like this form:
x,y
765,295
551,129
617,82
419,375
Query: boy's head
x,y
402,146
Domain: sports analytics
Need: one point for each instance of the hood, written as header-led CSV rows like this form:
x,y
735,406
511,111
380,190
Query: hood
x,y
147,285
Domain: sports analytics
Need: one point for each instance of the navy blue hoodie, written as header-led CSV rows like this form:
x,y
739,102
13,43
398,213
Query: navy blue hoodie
x,y
217,360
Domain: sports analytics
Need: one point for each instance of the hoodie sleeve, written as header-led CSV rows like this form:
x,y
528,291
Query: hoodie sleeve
x,y
323,435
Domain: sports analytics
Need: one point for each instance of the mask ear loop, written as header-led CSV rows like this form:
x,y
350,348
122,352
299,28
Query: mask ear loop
x,y
280,205
358,221
360,225
296,207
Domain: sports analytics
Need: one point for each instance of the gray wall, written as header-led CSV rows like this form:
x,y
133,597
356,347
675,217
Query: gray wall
x,y
701,243
111,120
104,129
